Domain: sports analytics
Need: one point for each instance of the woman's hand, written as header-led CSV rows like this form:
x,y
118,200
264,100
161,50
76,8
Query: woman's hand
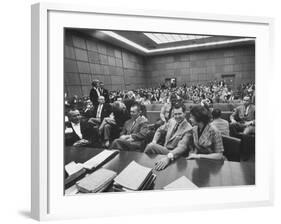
x,y
193,156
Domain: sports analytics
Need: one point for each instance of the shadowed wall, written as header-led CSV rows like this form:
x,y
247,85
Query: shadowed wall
x,y
87,58
203,66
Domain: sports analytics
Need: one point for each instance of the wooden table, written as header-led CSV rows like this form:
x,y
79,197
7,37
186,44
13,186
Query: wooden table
x,y
202,172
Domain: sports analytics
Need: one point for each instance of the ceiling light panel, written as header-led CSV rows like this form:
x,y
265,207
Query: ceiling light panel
x,y
169,38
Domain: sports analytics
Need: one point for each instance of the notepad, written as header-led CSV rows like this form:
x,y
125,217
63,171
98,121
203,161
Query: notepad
x,y
180,184
100,159
133,176
97,181
73,167
73,190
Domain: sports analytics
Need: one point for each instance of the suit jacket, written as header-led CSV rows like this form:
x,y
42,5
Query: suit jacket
x,y
94,96
105,112
71,138
239,113
120,116
173,138
128,103
105,93
137,129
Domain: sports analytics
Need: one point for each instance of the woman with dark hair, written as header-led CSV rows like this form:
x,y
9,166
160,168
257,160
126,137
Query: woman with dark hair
x,y
207,140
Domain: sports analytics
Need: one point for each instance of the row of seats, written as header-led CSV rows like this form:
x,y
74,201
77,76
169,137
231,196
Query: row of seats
x,y
221,106
153,116
237,149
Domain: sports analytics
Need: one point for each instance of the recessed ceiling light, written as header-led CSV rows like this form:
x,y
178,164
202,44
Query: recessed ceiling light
x,y
170,38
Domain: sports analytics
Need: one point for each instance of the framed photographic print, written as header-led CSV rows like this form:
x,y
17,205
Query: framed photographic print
x,y
148,107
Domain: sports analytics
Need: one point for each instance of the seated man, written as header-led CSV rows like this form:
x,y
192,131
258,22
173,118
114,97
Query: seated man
x,y
101,111
167,110
77,132
112,125
243,118
221,124
132,137
177,137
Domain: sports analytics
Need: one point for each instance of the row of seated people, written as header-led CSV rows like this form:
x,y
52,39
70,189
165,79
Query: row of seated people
x,y
242,118
109,120
204,139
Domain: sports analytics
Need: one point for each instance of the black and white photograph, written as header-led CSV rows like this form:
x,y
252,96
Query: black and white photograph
x,y
151,111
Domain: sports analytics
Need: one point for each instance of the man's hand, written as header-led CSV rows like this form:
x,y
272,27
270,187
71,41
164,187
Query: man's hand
x,y
162,163
124,137
248,123
81,142
130,139
94,120
193,156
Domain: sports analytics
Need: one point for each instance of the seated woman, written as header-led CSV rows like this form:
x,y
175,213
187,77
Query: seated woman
x,y
111,126
206,141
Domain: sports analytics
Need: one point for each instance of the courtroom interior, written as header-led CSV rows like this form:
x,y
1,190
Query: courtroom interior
x,y
178,109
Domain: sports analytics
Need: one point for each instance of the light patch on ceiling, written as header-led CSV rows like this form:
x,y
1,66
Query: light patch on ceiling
x,y
125,40
170,38
169,49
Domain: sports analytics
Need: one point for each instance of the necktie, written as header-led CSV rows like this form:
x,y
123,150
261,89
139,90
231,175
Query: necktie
x,y
246,111
99,111
175,129
133,126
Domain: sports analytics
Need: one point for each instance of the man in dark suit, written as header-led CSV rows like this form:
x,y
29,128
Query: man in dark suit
x,y
104,92
129,100
77,132
243,118
101,111
177,138
95,93
133,135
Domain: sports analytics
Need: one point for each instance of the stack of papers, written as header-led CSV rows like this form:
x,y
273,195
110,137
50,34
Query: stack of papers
x,y
74,171
98,181
100,159
73,167
180,184
134,177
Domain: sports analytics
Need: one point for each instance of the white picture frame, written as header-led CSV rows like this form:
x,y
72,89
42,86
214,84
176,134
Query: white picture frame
x,y
48,201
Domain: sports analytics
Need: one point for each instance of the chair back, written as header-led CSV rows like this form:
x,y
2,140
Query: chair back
x,y
231,148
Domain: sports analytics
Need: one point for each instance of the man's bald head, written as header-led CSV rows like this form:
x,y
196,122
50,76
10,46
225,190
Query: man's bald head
x,y
74,116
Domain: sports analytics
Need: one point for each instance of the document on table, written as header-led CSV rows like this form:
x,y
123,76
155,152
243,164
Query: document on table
x,y
181,183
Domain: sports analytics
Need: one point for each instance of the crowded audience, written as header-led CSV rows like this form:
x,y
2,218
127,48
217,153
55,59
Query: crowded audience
x,y
118,119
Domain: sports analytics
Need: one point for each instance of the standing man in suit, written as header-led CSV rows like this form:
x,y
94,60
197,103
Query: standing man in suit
x,y
77,132
243,118
95,93
104,92
133,135
177,138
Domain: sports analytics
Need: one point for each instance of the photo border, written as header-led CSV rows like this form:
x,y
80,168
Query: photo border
x,y
42,195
